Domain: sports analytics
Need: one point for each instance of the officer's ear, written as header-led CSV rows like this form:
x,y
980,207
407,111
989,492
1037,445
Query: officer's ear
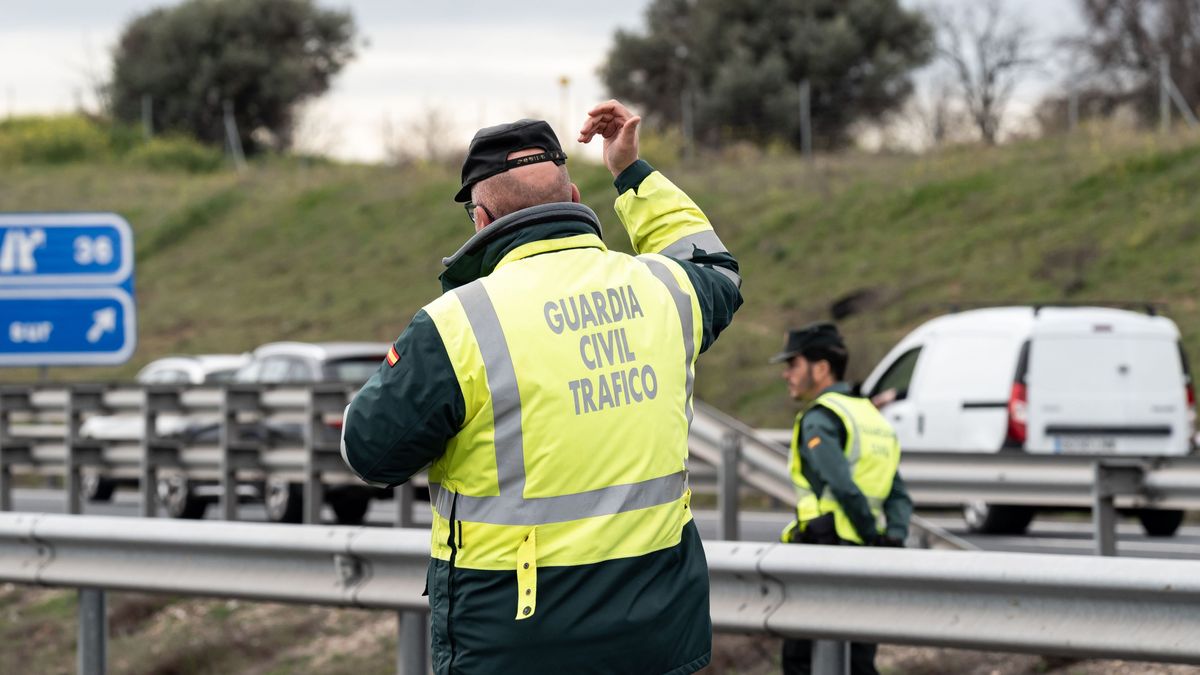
x,y
574,193
819,370
482,219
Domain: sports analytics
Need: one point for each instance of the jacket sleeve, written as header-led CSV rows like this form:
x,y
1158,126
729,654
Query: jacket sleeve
x,y
898,509
661,218
401,419
828,458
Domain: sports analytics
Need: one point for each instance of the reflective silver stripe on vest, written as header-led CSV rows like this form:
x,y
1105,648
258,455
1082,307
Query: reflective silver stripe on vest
x,y
683,304
502,384
706,241
856,446
709,242
511,507
605,501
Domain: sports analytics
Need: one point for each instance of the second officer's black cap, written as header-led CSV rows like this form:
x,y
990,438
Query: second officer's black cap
x,y
489,150
823,334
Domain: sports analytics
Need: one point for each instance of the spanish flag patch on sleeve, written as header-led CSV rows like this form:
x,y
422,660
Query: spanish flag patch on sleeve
x,y
393,357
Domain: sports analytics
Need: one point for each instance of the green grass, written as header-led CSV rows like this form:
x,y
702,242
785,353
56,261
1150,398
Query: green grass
x,y
290,250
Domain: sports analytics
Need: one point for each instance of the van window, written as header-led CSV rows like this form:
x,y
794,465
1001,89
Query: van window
x,y
1105,366
899,376
970,367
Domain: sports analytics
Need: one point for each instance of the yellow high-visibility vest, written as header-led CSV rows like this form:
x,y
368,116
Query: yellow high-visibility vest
x,y
576,371
872,451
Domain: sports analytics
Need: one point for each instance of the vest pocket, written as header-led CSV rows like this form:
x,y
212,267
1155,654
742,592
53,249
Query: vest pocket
x,y
527,576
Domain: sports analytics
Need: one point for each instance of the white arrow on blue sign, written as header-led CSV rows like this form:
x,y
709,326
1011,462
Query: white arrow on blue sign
x,y
66,289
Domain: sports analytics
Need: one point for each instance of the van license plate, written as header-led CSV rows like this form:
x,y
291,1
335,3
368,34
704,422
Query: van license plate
x,y
1085,444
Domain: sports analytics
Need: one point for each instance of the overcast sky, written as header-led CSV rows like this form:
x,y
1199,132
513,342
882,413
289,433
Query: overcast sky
x,y
478,62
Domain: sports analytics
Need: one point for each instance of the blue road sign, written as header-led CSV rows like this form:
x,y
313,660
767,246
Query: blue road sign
x,y
66,289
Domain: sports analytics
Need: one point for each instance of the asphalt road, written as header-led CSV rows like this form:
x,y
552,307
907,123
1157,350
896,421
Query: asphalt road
x,y
1048,534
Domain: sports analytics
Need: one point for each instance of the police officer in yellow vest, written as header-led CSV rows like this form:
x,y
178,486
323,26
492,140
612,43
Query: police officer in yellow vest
x,y
843,463
549,390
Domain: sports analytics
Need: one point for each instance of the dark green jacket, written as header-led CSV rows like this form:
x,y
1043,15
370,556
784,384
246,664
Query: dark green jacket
x,y
648,614
825,464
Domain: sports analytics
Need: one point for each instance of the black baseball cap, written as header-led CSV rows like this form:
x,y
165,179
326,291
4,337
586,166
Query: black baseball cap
x,y
489,150
823,334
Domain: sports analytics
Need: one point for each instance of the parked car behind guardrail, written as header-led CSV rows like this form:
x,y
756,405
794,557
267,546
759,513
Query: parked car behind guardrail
x,y
198,369
284,363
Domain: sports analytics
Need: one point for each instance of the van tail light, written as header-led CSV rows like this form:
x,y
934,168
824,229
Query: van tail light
x,y
335,424
1018,407
1191,408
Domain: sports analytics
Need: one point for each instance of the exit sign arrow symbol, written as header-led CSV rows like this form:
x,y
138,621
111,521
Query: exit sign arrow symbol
x,y
104,321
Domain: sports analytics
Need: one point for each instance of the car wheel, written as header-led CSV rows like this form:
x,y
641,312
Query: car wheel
x,y
350,505
1160,522
984,518
284,501
97,488
178,497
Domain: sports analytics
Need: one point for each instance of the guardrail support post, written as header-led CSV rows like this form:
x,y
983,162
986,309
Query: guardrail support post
x,y
93,632
233,448
830,657
412,656
72,476
727,482
148,475
1111,479
403,494
5,484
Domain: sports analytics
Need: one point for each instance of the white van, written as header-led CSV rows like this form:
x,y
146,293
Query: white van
x,y
1039,379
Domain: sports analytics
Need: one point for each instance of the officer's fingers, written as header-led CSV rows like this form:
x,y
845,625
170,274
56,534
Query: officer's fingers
x,y
595,124
629,129
587,131
607,107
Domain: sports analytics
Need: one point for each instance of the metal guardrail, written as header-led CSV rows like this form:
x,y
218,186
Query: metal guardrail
x,y
938,478
1064,605
40,432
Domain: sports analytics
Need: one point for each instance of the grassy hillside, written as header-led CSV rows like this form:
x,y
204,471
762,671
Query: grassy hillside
x,y
317,252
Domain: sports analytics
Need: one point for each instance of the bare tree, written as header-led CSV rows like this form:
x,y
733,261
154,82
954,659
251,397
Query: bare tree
x,y
989,52
1126,40
427,136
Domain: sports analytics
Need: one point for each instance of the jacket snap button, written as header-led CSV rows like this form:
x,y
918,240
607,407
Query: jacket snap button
x,y
526,611
526,565
528,591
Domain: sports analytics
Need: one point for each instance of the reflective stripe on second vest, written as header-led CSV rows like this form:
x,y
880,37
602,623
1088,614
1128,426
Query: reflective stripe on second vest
x,y
872,453
597,381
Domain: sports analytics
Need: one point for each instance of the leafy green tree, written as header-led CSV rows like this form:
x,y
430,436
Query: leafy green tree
x,y
263,56
737,64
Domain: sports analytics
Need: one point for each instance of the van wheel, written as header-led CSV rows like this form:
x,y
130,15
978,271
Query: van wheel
x,y
285,501
1160,522
984,518
350,505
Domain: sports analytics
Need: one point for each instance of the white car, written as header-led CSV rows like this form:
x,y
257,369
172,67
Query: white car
x,y
200,369
289,363
1041,380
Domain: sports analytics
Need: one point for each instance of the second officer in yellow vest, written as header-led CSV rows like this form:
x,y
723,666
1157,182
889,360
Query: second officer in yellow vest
x,y
843,463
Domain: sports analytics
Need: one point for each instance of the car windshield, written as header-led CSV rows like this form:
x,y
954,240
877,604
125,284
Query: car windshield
x,y
220,376
355,370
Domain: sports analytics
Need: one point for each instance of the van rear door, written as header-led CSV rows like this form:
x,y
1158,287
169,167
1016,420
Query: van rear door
x,y
1106,388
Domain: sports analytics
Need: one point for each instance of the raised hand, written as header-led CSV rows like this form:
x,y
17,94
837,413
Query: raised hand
x,y
619,129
